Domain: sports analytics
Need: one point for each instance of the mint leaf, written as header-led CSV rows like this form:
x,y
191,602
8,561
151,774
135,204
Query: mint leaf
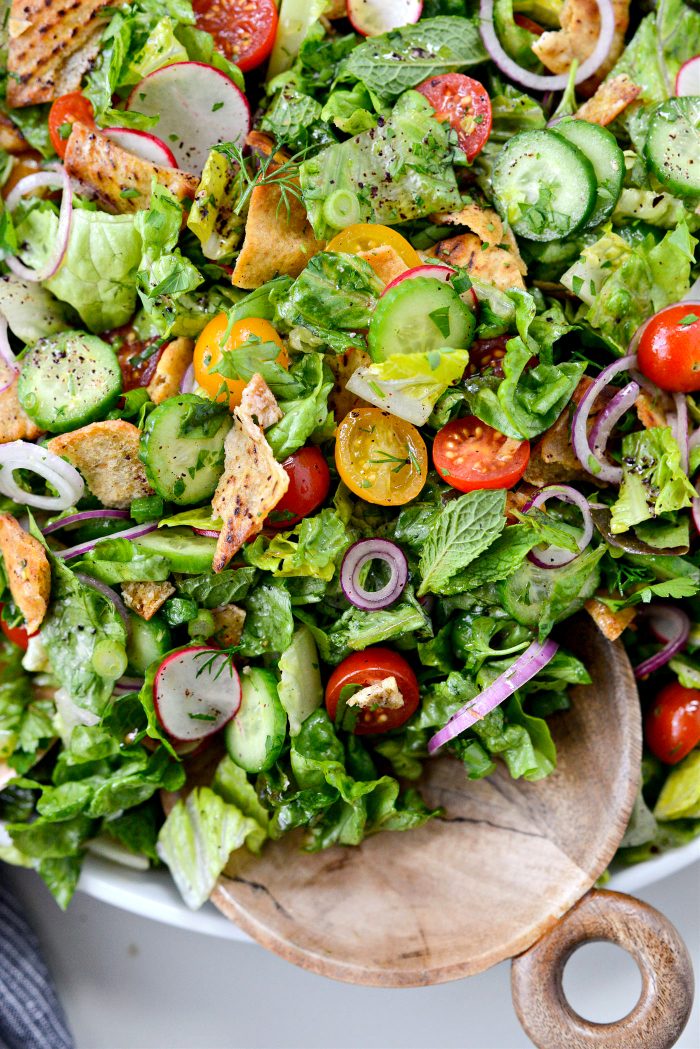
x,y
465,528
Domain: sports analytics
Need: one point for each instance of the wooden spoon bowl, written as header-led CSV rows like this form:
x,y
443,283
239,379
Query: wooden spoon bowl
x,y
477,885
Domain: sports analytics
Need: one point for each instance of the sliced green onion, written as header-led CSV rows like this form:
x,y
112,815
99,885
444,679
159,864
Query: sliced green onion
x,y
109,659
341,209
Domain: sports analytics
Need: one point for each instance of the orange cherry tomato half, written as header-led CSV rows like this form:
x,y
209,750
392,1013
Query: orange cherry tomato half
x,y
669,349
380,457
367,668
66,111
309,481
208,353
672,723
16,634
463,102
244,30
468,454
367,235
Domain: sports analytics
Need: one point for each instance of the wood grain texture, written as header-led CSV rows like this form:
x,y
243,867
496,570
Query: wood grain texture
x,y
476,886
662,1012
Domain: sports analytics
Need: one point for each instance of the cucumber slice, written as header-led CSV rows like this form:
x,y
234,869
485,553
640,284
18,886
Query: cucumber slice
x,y
184,551
255,738
608,161
68,380
149,640
417,316
672,148
182,448
545,187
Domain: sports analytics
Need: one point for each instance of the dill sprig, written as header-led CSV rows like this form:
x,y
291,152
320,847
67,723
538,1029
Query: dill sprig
x,y
216,661
266,171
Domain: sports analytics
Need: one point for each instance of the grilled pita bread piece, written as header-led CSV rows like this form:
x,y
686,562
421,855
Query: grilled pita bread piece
x,y
611,99
107,455
278,239
170,370
27,570
51,45
252,484
146,598
120,181
11,138
15,424
486,262
580,27
610,624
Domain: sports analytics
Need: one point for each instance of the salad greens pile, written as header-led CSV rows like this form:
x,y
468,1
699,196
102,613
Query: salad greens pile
x,y
303,465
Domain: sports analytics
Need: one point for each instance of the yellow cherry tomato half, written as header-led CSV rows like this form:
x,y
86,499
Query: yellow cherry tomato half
x,y
208,353
365,236
380,457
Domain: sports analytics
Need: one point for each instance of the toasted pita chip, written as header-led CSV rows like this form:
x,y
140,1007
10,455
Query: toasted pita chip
x,y
487,225
259,404
649,411
51,45
107,455
491,264
252,484
27,570
343,366
278,239
610,624
229,621
11,138
611,98
170,370
385,261
580,28
15,424
146,598
120,181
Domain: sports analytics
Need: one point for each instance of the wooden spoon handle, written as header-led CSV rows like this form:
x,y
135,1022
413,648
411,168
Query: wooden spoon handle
x,y
658,1018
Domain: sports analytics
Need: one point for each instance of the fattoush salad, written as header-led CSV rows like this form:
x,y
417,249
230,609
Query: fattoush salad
x,y
346,350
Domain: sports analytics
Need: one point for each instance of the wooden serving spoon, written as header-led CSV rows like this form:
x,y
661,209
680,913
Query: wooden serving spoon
x,y
493,876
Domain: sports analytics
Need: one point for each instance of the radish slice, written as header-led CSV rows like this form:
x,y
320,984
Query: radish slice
x,y
374,17
688,79
196,692
442,273
197,107
143,145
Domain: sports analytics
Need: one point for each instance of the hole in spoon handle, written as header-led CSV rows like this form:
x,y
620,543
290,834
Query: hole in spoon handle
x,y
658,1018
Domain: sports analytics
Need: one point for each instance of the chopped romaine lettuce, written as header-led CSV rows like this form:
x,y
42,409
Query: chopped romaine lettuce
x,y
653,481
409,384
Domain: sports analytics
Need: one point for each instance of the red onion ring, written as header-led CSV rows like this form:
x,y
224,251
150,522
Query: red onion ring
x,y
110,594
525,667
86,515
128,533
187,381
679,426
7,355
672,626
129,684
600,468
56,176
356,557
610,417
553,556
550,82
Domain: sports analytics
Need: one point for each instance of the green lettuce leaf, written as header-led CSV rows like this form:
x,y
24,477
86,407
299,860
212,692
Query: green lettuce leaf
x,y
622,281
410,384
98,274
297,121
653,481
212,217
538,597
197,839
232,784
269,626
305,414
26,721
412,148
313,548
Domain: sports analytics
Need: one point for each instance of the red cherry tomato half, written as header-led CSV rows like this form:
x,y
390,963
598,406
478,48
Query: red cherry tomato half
x,y
64,112
16,634
244,30
468,454
465,104
309,481
669,349
367,668
672,723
